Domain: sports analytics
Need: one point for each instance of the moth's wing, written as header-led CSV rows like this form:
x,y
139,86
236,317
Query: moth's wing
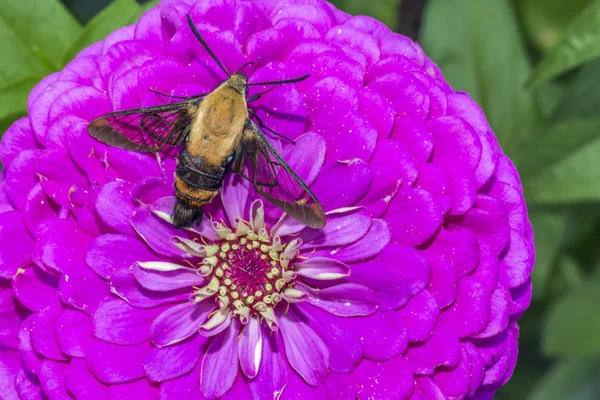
x,y
275,180
146,129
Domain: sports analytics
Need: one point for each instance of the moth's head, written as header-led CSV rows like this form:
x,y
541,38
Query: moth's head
x,y
239,82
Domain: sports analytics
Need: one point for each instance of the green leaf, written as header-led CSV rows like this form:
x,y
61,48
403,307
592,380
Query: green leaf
x,y
44,26
13,97
580,43
560,142
546,20
572,178
581,99
116,15
548,226
478,46
384,10
573,379
573,323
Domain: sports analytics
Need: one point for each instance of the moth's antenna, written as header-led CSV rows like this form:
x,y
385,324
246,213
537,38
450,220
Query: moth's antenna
x,y
279,82
205,45
244,66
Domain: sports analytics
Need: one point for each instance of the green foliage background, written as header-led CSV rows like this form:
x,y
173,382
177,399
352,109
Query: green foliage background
x,y
533,66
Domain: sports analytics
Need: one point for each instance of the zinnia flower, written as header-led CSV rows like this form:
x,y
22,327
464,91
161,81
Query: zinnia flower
x,y
411,291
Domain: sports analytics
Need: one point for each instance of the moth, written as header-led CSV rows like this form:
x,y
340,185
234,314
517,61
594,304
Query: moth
x,y
218,133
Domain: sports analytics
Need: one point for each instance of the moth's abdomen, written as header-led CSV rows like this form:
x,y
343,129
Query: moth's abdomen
x,y
196,184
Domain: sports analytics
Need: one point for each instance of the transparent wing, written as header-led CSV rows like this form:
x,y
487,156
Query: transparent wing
x,y
275,180
146,129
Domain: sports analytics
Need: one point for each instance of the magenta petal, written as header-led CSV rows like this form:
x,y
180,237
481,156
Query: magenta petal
x,y
35,288
298,389
344,300
9,367
179,322
306,156
442,349
515,266
477,366
82,384
382,334
460,246
273,376
344,344
413,216
390,285
164,281
443,283
427,389
117,322
110,253
83,290
220,363
156,232
341,229
11,320
115,207
239,390
322,268
249,348
386,182
42,333
140,388
17,138
184,387
73,332
305,350
27,385
15,243
500,301
52,379
21,177
383,380
410,263
470,313
455,383
124,285
420,316
357,176
63,246
366,247
235,195
111,363
32,361
163,364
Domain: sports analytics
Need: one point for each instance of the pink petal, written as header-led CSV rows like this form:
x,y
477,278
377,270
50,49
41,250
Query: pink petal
x,y
17,138
62,248
59,175
156,232
235,195
410,263
140,388
427,389
124,285
386,182
117,322
73,332
27,385
321,268
9,367
420,316
442,349
390,285
341,229
459,245
115,206
166,363
456,382
486,272
413,216
32,361
35,288
412,132
394,153
249,348
344,300
357,176
42,333
443,283
382,334
220,364
375,240
383,380
110,253
273,376
21,177
305,350
111,363
344,344
306,156
184,387
179,322
82,384
83,290
477,366
500,300
470,313
515,266
52,379
164,281
15,243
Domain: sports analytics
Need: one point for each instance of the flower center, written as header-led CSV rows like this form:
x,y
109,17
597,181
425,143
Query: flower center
x,y
249,271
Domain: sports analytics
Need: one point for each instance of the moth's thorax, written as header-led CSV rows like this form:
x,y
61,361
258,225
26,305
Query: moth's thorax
x,y
216,131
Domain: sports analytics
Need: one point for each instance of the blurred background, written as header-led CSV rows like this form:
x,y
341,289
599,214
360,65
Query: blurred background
x,y
532,65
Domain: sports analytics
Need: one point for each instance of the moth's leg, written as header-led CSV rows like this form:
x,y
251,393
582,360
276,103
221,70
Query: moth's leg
x,y
262,125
